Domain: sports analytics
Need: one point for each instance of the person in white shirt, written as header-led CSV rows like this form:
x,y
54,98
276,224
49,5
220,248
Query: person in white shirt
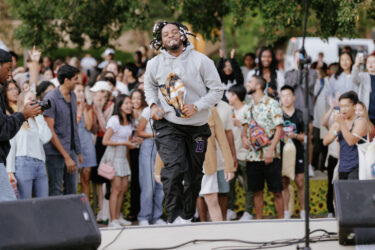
x,y
152,194
236,96
26,159
118,140
113,67
249,61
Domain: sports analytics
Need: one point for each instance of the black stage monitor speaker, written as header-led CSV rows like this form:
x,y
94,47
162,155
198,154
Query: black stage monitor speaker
x,y
59,222
355,210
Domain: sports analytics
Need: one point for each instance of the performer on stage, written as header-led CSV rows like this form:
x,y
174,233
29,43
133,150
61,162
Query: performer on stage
x,y
181,85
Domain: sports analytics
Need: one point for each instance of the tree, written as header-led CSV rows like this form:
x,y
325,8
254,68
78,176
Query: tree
x,y
46,23
331,18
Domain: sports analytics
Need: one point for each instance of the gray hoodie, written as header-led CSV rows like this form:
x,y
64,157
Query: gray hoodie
x,y
199,75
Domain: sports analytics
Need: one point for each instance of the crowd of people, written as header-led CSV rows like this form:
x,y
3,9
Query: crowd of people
x,y
179,129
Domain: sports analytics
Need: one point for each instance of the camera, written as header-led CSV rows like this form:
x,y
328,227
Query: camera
x,y
46,104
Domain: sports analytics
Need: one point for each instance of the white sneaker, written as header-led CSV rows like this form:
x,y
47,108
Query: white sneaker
x,y
124,222
246,216
330,215
143,223
159,222
180,221
311,171
196,214
114,223
231,215
303,214
286,215
99,217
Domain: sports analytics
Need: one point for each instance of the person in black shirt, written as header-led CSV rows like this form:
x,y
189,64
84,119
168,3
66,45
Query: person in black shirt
x,y
9,126
293,128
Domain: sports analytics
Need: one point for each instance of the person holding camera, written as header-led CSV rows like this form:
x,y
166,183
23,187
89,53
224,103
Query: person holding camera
x,y
64,149
26,159
9,126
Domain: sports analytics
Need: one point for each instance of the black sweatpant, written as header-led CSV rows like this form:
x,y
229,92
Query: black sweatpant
x,y
319,151
182,149
135,190
332,161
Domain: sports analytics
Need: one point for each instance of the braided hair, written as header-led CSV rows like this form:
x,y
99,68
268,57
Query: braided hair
x,y
157,42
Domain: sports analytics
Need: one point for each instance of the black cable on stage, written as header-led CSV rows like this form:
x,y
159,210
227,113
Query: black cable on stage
x,y
117,236
259,245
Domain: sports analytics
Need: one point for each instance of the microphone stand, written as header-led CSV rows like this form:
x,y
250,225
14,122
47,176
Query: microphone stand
x,y
304,62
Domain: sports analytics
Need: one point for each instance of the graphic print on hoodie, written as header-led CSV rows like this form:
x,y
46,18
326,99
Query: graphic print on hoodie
x,y
174,92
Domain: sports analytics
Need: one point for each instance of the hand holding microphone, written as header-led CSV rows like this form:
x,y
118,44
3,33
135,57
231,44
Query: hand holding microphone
x,y
157,113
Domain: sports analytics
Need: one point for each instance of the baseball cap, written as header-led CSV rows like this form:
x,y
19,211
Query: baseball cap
x,y
101,85
108,51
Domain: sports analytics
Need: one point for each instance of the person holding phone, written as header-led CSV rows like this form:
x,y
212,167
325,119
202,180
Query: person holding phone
x,y
346,128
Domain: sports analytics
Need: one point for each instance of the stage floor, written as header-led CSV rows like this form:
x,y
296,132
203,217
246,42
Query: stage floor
x,y
141,237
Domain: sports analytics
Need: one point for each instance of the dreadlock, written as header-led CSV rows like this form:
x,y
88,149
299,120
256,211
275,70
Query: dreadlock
x,y
157,42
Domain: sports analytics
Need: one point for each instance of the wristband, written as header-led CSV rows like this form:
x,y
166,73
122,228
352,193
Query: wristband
x,y
334,132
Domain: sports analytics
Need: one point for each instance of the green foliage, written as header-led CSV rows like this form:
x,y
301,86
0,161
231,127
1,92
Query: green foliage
x,y
279,17
46,23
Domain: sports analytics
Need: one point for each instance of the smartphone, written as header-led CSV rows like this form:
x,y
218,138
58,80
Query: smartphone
x,y
336,109
361,55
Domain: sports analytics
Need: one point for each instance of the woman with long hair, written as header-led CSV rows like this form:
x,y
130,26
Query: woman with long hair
x,y
118,140
229,70
103,109
26,159
342,81
139,103
267,68
85,115
10,93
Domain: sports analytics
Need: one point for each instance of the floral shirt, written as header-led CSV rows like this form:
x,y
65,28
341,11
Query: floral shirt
x,y
268,114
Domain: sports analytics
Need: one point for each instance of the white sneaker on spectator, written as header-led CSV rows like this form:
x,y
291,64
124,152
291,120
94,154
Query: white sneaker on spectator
x,y
286,215
124,222
143,223
330,215
99,216
311,171
180,221
231,215
246,216
114,223
196,214
302,214
159,222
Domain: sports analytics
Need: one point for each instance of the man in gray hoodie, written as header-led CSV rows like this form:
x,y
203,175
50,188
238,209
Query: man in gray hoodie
x,y
181,85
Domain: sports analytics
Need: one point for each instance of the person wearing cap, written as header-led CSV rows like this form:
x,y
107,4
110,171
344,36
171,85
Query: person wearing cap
x,y
64,150
9,126
181,126
108,55
103,108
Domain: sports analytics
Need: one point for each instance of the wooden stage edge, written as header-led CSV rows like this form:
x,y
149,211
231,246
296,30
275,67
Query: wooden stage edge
x,y
144,237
